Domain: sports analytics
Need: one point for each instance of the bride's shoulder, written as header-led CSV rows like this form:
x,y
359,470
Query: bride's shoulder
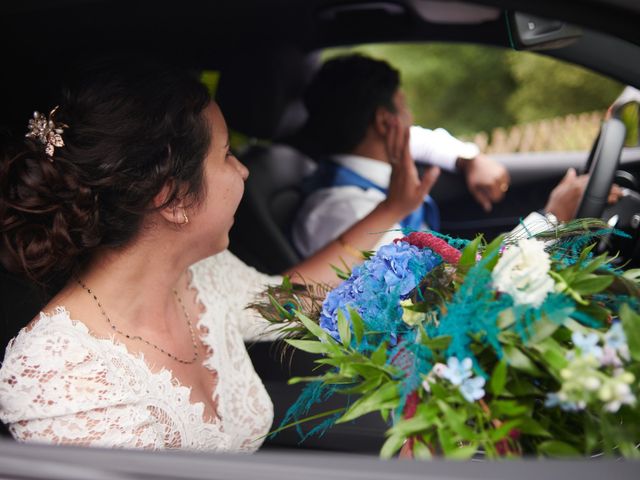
x,y
51,334
54,366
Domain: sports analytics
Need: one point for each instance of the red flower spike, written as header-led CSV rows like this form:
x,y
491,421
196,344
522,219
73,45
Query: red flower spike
x,y
411,405
427,240
504,447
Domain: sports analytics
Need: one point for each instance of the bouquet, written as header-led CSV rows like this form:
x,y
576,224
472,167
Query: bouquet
x,y
520,346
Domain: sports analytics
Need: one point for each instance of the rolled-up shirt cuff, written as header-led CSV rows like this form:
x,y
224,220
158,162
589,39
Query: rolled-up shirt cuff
x,y
438,147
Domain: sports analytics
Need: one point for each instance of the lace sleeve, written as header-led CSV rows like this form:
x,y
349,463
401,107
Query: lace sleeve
x,y
224,278
56,387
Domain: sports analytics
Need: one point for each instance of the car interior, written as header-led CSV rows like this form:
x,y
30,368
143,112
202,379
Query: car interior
x,y
265,54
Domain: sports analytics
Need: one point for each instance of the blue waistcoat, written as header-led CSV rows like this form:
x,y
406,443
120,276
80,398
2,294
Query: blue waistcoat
x,y
330,174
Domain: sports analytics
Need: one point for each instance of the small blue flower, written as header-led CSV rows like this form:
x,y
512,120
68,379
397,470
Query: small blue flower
x,y
615,338
553,400
456,371
472,389
588,344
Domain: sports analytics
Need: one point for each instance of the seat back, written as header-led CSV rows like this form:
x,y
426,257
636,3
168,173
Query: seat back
x,y
273,194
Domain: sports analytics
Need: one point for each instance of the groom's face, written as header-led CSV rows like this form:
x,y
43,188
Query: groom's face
x,y
402,109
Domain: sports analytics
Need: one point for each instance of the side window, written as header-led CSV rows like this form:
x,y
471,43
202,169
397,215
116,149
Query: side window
x,y
504,100
211,79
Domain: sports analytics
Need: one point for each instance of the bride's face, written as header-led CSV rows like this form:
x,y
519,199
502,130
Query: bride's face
x,y
224,178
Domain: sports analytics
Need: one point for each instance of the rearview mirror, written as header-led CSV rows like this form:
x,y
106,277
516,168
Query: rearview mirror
x,y
530,32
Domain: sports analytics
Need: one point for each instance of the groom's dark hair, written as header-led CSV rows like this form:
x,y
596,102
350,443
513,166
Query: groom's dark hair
x,y
342,100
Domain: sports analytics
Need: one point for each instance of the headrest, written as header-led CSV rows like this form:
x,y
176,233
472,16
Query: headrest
x,y
260,93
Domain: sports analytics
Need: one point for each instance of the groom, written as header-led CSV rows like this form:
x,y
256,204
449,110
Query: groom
x,y
349,103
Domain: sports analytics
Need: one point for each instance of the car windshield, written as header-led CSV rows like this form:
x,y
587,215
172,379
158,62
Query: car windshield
x,y
504,100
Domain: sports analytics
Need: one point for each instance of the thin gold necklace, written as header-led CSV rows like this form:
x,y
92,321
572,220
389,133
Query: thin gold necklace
x,y
138,337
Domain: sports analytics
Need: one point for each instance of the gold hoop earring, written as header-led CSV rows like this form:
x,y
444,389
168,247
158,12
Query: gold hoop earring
x,y
186,219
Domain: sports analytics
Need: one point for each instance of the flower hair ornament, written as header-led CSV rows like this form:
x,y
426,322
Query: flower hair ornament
x,y
46,131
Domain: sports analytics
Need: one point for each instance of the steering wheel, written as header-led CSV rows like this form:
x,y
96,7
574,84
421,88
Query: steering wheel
x,y
602,165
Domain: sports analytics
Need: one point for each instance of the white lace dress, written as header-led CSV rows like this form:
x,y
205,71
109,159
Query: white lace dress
x,y
59,384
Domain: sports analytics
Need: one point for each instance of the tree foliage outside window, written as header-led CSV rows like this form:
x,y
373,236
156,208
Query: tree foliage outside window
x,y
470,88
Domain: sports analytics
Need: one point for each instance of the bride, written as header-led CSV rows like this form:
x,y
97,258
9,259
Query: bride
x,y
128,190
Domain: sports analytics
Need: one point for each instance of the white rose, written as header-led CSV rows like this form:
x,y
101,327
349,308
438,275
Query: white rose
x,y
523,272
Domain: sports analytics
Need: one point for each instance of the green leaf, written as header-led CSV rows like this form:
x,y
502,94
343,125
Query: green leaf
x,y
357,324
296,380
595,311
520,361
462,453
411,426
438,391
421,451
596,263
468,257
310,346
364,387
391,446
342,274
369,370
629,450
456,419
436,343
529,426
631,326
498,378
542,329
492,252
447,442
522,387
590,284
334,362
314,328
344,329
503,430
508,408
384,397
385,415
556,448
633,275
379,357
506,318
424,419
585,253
553,354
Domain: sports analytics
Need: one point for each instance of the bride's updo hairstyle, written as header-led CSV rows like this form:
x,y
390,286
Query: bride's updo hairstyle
x,y
129,128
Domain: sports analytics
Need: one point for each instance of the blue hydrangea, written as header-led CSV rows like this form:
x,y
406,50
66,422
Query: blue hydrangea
x,y
376,288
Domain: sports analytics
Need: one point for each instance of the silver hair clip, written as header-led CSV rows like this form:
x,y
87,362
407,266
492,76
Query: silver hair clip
x,y
46,131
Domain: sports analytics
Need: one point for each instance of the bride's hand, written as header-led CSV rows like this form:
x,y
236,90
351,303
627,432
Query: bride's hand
x,y
406,189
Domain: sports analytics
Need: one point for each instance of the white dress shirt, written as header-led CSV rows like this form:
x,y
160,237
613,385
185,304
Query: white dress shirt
x,y
328,212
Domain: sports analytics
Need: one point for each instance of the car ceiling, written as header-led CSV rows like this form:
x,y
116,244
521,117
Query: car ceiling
x,y
47,35
71,25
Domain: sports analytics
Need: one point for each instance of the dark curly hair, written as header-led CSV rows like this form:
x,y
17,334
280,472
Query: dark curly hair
x,y
342,100
134,126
